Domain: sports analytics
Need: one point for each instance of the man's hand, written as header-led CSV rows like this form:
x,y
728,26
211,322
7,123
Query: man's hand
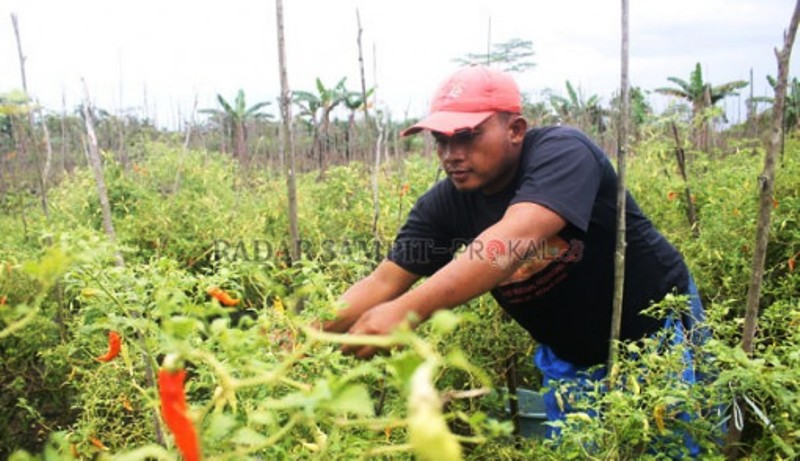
x,y
385,283
382,319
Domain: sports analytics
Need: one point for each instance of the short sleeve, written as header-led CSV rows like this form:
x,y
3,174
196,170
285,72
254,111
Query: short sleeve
x,y
562,173
424,245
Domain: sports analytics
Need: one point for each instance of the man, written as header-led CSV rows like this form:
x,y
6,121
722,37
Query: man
x,y
536,211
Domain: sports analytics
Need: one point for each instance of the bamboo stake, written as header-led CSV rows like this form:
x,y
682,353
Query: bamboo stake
x,y
361,67
186,139
287,133
22,57
95,163
45,174
619,253
41,173
376,168
365,103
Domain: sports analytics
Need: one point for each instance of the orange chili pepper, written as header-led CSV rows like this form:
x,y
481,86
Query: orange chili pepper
x,y
223,297
174,412
405,189
114,346
792,263
672,195
3,300
98,443
126,404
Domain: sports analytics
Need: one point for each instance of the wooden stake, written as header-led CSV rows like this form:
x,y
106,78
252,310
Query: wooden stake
x,y
19,52
287,133
680,155
619,253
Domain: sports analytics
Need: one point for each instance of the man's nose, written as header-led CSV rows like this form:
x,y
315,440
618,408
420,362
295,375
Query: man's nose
x,y
454,151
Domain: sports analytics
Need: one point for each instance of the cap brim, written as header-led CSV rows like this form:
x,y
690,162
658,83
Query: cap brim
x,y
448,122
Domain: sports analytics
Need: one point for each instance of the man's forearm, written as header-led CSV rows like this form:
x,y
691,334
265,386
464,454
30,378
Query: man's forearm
x,y
477,270
464,278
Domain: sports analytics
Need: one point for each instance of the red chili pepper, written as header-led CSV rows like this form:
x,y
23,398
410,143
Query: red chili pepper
x,y
672,195
2,300
174,412
114,346
223,297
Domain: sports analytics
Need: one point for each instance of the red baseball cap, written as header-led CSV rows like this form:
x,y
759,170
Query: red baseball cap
x,y
467,98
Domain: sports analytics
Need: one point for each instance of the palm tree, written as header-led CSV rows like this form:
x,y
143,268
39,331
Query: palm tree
x,y
702,95
237,116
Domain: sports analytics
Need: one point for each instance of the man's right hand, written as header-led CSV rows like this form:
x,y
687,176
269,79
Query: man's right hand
x,y
385,283
380,320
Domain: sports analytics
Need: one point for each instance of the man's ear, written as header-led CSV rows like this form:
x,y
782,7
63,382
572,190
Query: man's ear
x,y
518,126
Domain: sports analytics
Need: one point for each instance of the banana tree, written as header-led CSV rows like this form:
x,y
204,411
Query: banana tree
x,y
791,115
640,109
318,107
309,105
701,95
236,116
354,101
586,113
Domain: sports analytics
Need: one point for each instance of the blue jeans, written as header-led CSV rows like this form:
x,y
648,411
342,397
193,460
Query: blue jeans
x,y
581,379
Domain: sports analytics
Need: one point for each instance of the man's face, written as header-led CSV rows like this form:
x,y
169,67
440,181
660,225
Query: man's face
x,y
485,157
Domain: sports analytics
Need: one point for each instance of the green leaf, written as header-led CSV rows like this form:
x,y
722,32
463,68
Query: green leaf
x,y
403,365
458,359
52,266
249,437
21,455
183,327
219,426
353,399
261,418
445,321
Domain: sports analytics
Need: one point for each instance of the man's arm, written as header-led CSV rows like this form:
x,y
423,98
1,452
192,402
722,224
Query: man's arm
x,y
385,283
465,277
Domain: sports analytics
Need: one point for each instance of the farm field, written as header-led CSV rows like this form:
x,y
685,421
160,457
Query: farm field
x,y
292,267
260,384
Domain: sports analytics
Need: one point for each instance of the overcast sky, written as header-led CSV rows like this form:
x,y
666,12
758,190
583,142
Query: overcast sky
x,y
164,52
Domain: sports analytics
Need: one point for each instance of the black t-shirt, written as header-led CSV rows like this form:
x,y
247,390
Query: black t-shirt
x,y
563,294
